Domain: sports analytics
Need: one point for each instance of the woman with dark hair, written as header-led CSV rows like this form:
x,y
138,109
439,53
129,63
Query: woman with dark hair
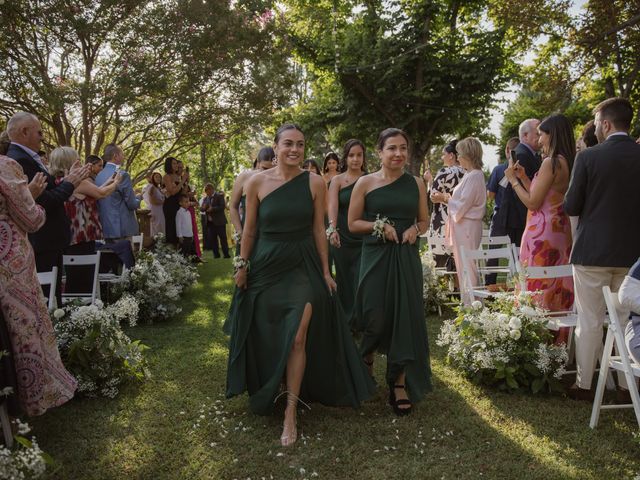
x,y
173,184
237,202
344,246
587,137
311,166
389,209
547,235
445,181
330,167
282,321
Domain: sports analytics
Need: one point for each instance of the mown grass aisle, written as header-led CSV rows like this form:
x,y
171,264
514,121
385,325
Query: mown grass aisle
x,y
178,425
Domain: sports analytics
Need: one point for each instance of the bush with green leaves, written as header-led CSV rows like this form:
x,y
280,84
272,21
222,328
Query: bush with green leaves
x,y
434,289
506,344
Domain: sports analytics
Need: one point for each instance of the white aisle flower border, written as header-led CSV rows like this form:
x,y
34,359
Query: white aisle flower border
x,y
434,289
506,344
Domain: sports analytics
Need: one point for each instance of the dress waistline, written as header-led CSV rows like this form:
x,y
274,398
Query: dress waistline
x,y
295,236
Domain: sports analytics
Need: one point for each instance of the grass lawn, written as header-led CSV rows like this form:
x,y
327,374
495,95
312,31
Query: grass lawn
x,y
178,425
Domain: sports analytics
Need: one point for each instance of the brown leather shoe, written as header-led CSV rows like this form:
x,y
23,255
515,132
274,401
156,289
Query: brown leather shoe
x,y
623,397
576,393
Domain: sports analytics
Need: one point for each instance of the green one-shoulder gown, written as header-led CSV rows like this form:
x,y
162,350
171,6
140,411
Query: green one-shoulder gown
x,y
346,258
389,309
284,276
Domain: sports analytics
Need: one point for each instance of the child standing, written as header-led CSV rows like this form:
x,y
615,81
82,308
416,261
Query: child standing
x,y
184,228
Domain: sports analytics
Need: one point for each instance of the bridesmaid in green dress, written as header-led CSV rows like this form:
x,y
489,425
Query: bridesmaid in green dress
x,y
264,161
389,207
345,247
283,320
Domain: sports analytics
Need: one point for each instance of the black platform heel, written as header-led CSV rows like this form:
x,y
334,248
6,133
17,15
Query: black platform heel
x,y
396,404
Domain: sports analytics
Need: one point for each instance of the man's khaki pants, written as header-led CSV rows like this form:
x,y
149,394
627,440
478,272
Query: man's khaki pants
x,y
588,283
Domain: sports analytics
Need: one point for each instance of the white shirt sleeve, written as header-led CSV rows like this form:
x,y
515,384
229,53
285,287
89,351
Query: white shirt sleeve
x,y
629,294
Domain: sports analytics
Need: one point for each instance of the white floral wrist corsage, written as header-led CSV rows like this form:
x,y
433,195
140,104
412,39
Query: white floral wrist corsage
x,y
330,231
240,263
236,237
378,227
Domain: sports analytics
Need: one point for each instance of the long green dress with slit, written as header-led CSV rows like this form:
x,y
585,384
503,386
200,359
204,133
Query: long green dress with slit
x,y
285,275
346,258
389,310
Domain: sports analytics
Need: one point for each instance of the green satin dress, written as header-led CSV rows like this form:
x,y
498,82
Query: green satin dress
x,y
346,258
389,310
285,274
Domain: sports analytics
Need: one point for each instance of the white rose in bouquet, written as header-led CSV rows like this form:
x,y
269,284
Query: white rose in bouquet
x,y
476,305
515,323
515,334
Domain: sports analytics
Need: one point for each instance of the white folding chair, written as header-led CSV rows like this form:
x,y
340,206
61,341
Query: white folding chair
x,y
479,258
500,240
438,246
139,240
621,363
5,424
78,260
51,279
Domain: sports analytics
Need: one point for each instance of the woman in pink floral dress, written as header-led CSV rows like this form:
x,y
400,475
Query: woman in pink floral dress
x,y
43,382
547,236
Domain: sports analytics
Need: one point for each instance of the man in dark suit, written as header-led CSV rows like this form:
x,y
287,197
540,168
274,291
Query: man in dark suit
x,y
513,211
214,206
603,193
48,243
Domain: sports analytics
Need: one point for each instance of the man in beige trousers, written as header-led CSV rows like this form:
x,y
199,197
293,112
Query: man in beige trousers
x,y
604,193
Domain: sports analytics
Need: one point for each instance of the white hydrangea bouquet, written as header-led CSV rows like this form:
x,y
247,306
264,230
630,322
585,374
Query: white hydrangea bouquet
x,y
434,289
94,348
506,344
157,281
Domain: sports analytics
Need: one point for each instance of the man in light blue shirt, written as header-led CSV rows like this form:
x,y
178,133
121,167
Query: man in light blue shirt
x,y
118,210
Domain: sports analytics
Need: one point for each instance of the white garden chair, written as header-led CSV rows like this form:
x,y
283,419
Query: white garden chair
x,y
5,423
479,258
499,240
438,246
78,260
139,241
51,279
621,362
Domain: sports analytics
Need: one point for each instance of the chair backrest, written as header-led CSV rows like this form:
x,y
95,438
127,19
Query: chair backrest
x,y
611,299
497,240
437,245
139,240
479,258
51,279
516,258
77,260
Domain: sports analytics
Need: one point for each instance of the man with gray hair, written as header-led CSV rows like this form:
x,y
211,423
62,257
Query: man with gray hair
x,y
25,133
118,210
514,212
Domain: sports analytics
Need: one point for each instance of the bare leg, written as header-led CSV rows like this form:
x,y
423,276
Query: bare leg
x,y
368,361
401,393
295,370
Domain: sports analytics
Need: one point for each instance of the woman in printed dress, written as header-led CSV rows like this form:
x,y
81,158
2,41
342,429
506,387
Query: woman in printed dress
x,y
43,382
82,210
547,235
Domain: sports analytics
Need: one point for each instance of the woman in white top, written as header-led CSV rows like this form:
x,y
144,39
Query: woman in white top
x,y
466,208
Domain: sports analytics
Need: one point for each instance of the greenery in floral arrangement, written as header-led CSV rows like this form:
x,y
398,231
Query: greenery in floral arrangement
x,y
94,348
26,460
157,281
434,288
505,344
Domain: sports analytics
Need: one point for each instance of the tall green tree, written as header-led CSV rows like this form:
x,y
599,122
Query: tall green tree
x,y
158,77
429,67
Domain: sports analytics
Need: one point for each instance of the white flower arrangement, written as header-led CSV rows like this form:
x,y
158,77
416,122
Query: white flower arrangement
x,y
94,348
157,281
506,344
434,291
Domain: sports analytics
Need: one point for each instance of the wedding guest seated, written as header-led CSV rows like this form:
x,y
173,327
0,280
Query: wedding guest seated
x,y
43,382
629,296
82,211
117,211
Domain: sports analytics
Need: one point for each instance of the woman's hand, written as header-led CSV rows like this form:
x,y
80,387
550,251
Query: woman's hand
x,y
390,233
439,197
241,278
410,235
331,283
334,239
38,184
428,178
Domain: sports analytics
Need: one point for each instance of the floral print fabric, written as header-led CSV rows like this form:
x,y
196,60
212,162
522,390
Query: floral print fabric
x,y
446,180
